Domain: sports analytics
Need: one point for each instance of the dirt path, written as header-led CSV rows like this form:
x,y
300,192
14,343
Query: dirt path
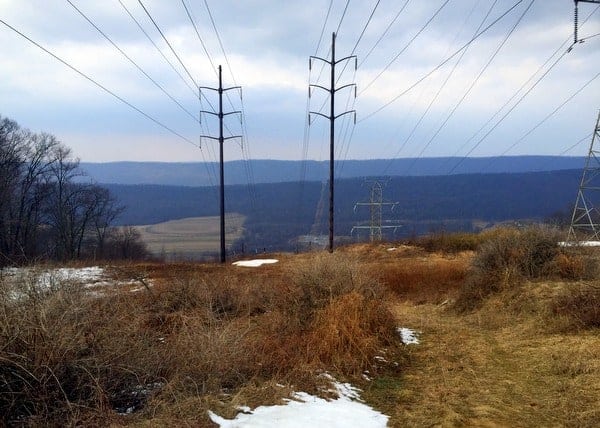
x,y
491,369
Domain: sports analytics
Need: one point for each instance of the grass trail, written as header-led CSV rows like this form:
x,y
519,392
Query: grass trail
x,y
492,368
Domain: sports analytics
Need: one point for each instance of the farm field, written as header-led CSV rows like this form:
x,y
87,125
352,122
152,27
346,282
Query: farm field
x,y
192,237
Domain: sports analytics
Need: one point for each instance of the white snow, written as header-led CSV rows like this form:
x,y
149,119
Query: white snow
x,y
579,244
255,263
306,410
44,278
392,249
409,337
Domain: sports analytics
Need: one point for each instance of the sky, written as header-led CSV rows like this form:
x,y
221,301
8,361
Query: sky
x,y
413,97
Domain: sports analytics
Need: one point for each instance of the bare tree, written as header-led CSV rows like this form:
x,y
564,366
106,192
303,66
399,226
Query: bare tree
x,y
45,208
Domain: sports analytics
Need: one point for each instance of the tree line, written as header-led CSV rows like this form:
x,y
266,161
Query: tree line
x,y
48,210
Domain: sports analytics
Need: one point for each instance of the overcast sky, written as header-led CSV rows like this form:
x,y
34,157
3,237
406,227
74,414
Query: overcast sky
x,y
268,43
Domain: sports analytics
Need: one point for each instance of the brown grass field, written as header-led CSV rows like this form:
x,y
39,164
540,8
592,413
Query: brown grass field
x,y
525,351
190,237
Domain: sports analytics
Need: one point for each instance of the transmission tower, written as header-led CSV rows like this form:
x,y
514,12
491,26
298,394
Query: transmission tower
x,y
576,38
221,139
331,117
375,205
585,222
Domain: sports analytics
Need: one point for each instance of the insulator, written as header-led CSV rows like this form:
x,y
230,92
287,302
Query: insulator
x,y
576,21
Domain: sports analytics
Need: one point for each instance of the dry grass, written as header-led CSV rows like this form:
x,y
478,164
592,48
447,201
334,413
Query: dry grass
x,y
216,337
187,344
432,279
493,368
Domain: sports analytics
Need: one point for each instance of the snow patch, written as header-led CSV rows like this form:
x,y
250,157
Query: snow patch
x,y
408,336
40,279
305,410
579,244
392,249
255,263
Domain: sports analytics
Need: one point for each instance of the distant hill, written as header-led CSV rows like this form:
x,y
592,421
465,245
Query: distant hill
x,y
280,212
275,171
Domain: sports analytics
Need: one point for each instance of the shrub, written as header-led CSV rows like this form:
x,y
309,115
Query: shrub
x,y
448,242
327,277
425,280
68,357
507,258
63,356
580,304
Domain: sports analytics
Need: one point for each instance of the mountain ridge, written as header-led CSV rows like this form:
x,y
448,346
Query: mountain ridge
x,y
196,174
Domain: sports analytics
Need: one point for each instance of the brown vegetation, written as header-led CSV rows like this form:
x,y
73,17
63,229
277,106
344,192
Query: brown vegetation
x,y
521,351
70,358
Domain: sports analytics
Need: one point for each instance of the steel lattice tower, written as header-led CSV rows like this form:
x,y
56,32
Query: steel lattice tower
x,y
585,221
375,205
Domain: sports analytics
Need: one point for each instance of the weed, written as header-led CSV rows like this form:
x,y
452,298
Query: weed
x,y
506,259
580,304
72,358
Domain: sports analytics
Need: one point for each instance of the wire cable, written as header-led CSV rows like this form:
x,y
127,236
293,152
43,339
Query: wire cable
x,y
342,18
135,64
545,119
440,65
168,43
194,91
187,11
483,70
104,88
464,52
508,112
368,85
392,22
516,93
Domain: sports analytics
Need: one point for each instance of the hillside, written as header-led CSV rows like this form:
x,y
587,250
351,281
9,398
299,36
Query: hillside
x,y
504,334
277,171
283,211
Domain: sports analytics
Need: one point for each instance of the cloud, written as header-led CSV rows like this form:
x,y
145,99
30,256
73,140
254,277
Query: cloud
x,y
268,43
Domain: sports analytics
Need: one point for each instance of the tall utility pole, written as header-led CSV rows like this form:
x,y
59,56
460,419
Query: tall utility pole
x,y
331,117
586,218
221,139
376,210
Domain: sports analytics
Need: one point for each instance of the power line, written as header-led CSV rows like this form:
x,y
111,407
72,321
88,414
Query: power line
x,y
568,149
545,119
440,65
362,33
507,113
187,11
168,44
448,77
384,33
220,42
342,18
345,121
483,70
367,86
323,28
194,91
104,88
135,64
514,95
